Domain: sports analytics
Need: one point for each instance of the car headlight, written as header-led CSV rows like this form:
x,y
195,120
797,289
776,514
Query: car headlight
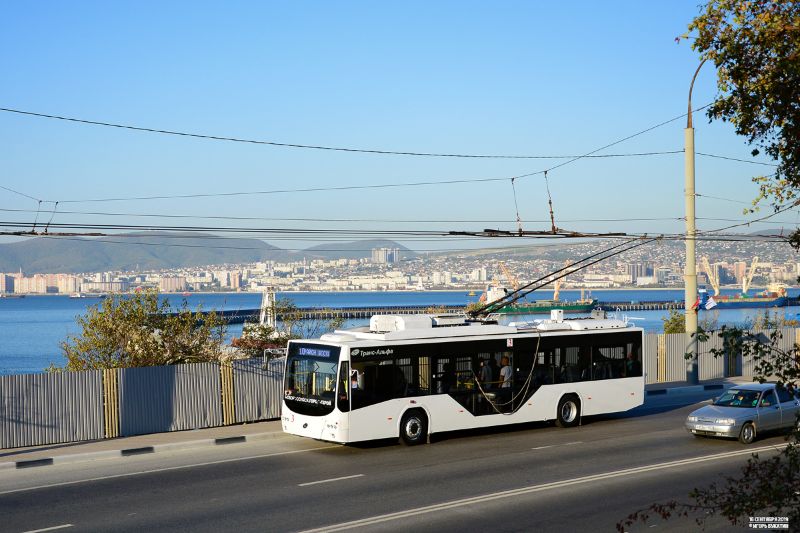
x,y
692,419
725,421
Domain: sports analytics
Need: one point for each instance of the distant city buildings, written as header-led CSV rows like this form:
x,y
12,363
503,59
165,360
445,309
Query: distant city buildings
x,y
385,255
172,284
660,266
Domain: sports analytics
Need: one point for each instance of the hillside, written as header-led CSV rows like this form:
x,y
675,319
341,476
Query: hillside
x,y
355,249
136,251
131,252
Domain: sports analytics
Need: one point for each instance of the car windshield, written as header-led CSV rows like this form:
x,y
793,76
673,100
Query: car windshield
x,y
738,398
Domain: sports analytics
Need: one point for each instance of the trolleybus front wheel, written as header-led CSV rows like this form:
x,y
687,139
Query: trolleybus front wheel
x,y
414,427
569,411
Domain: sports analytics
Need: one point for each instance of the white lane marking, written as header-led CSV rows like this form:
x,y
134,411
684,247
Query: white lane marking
x,y
329,480
534,488
554,445
166,469
63,526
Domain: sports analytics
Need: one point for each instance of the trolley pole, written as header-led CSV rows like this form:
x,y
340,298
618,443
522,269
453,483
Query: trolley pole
x,y
690,273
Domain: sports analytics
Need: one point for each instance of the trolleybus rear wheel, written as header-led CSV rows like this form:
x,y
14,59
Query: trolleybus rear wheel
x,y
569,411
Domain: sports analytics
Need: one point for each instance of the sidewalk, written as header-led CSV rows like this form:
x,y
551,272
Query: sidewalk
x,y
73,452
684,387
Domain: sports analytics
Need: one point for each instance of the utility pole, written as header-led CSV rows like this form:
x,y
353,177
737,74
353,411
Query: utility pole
x,y
690,272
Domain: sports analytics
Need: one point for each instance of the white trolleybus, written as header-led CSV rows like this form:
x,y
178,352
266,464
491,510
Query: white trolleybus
x,y
412,376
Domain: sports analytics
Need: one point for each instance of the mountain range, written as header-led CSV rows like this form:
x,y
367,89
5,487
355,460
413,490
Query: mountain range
x,y
140,252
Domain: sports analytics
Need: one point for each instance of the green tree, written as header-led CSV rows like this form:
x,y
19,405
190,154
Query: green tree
x,y
139,330
770,320
755,45
766,486
675,322
259,337
291,324
296,326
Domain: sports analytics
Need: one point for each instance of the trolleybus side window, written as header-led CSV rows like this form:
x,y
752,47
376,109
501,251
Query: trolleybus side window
x,y
633,364
608,362
345,385
423,375
387,379
575,364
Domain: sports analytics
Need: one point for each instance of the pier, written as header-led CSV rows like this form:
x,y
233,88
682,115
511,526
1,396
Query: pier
x,y
240,316
310,313
639,306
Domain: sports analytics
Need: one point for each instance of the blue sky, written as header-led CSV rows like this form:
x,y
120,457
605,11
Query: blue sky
x,y
519,78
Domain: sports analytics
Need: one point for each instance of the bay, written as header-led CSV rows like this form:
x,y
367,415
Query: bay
x,y
32,328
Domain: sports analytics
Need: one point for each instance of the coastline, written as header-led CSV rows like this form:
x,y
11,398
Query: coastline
x,y
477,291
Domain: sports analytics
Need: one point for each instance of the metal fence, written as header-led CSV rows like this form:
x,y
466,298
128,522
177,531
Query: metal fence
x,y
649,358
48,408
258,389
664,359
169,398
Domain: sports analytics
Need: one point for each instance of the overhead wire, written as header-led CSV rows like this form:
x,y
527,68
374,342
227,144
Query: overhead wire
x,y
108,239
339,188
747,223
580,264
298,145
736,159
372,186
9,189
629,137
288,233
698,195
305,219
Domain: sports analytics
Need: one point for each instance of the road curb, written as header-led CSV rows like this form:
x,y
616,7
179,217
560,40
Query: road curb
x,y
687,389
142,450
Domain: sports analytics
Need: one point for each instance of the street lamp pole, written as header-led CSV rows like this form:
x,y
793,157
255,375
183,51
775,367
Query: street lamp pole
x,y
690,273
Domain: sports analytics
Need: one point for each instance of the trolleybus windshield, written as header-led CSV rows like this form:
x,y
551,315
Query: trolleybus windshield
x,y
309,388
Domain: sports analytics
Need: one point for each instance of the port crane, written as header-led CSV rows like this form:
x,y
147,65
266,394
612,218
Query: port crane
x,y
748,277
713,279
512,279
557,283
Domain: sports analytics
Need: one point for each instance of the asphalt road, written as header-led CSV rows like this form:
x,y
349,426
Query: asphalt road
x,y
528,478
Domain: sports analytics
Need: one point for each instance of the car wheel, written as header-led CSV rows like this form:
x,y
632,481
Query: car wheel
x,y
748,433
414,428
794,436
569,411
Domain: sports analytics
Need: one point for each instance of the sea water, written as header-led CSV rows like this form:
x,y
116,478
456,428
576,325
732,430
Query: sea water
x,y
33,328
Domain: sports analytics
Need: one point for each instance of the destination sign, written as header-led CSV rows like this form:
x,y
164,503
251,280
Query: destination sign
x,y
313,401
314,352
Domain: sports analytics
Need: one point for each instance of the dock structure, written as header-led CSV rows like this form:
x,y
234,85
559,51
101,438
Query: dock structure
x,y
639,306
239,316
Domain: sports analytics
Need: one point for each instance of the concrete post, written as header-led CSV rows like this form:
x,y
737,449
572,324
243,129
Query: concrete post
x,y
690,273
